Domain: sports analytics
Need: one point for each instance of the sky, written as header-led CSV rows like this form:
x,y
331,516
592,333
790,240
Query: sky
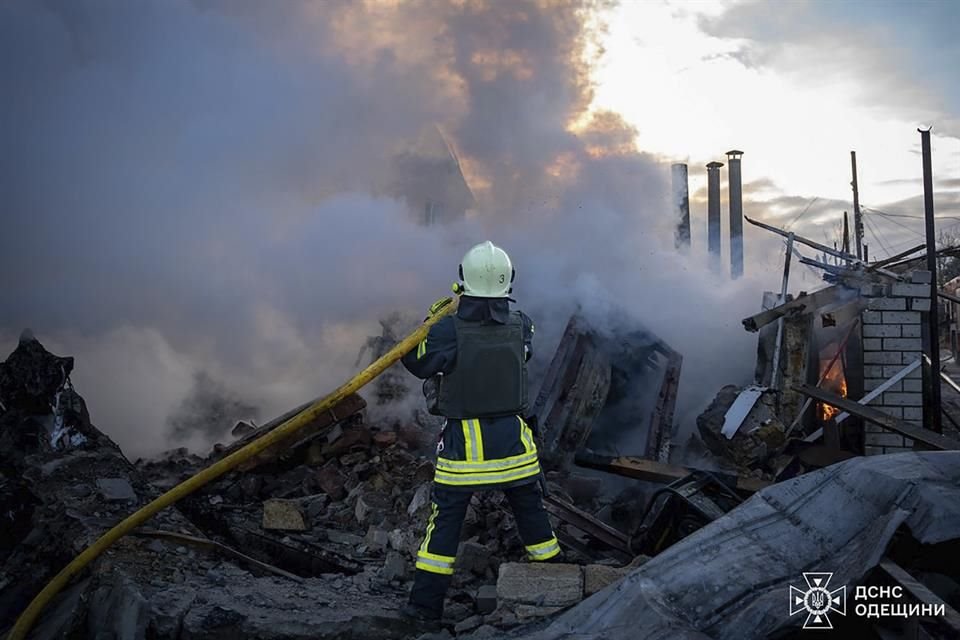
x,y
192,190
797,86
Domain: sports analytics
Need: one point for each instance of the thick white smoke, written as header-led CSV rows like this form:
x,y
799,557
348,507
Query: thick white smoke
x,y
198,187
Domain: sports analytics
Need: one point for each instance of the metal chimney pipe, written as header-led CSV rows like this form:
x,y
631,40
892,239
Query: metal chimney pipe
x,y
736,214
713,214
681,205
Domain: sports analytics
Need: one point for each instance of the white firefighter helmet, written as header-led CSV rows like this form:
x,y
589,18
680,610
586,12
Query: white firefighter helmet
x,y
486,271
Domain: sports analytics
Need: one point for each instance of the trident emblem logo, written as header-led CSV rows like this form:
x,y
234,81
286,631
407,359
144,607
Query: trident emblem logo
x,y
817,600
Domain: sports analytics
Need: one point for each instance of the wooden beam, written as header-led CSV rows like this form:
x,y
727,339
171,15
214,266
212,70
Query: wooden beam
x,y
652,471
213,545
899,256
929,438
798,306
828,250
347,407
587,523
919,591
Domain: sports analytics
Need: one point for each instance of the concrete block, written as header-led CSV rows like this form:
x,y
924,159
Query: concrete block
x,y
887,304
881,357
920,304
283,515
902,344
889,372
598,576
377,538
473,557
910,330
881,330
872,451
921,277
883,439
394,567
487,599
903,399
910,290
872,317
913,414
869,427
873,344
874,371
371,507
540,584
914,385
897,317
869,384
907,442
115,489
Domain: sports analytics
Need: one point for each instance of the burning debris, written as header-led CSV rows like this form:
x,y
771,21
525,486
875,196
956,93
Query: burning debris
x,y
318,532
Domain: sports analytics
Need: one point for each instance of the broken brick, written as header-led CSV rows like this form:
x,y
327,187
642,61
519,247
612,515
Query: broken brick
x,y
331,481
283,515
384,439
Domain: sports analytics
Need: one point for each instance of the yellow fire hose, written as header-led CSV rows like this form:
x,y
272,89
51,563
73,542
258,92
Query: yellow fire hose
x,y
31,613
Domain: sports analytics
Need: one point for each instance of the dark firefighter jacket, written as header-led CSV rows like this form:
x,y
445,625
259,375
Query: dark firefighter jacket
x,y
477,453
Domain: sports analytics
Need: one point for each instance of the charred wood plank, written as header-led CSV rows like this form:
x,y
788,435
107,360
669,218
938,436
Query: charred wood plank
x,y
310,562
572,394
653,471
588,524
661,422
919,591
213,545
927,437
798,306
349,406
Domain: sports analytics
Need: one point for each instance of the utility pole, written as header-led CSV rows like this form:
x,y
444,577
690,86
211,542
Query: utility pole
x,y
931,368
846,233
857,219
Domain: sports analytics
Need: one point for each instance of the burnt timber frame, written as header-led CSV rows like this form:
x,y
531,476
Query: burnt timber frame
x,y
582,520
574,392
653,471
930,438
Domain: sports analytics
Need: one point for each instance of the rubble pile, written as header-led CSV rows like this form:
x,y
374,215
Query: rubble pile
x,y
319,533
316,535
63,484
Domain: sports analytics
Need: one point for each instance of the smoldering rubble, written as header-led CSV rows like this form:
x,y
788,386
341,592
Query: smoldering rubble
x,y
316,535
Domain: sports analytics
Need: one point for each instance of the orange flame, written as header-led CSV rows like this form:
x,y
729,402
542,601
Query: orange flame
x,y
834,381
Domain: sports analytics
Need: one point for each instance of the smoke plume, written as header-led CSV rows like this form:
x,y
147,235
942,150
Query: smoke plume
x,y
201,186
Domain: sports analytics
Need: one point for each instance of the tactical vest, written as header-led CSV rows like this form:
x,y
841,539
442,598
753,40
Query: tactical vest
x,y
490,375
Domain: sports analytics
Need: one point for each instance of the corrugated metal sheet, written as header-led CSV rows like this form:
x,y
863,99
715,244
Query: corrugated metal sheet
x,y
731,579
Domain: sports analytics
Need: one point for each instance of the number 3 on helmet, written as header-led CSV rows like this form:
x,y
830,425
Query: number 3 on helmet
x,y
486,271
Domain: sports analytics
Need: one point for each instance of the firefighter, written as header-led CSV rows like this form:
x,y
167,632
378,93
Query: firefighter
x,y
474,364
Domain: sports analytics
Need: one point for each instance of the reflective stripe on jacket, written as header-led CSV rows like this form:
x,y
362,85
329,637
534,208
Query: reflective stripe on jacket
x,y
477,453
488,452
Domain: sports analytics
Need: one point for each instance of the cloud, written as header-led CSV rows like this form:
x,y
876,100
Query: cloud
x,y
900,56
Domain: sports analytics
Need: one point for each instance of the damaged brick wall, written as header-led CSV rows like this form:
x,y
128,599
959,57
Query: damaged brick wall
x,y
891,341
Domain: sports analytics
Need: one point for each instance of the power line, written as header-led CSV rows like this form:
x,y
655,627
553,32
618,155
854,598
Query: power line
x,y
876,235
801,214
900,224
907,215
